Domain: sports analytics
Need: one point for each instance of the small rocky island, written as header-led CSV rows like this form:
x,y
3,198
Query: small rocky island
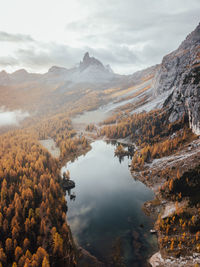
x,y
66,183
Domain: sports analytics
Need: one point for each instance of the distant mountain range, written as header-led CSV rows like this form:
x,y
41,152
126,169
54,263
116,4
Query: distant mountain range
x,y
59,87
175,83
90,70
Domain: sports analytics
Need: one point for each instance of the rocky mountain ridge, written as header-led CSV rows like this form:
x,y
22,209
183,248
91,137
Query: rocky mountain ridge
x,y
179,74
90,70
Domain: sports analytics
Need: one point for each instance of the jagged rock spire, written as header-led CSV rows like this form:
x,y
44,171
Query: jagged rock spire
x,y
90,61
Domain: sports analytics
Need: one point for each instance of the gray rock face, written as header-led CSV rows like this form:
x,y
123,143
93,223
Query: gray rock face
x,y
180,71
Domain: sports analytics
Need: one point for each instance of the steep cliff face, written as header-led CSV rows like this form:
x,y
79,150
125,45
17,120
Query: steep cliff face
x,y
186,98
179,74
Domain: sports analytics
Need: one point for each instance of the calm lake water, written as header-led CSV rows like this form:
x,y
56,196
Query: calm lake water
x,y
106,217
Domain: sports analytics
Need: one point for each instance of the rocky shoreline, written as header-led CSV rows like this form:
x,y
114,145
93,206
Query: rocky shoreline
x,y
151,176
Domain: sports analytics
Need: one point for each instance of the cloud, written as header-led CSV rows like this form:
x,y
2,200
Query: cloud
x,y
79,218
68,56
8,37
8,118
8,61
129,35
47,55
139,32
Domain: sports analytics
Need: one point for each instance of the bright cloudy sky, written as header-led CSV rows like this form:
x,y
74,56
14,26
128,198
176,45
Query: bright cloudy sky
x,y
127,34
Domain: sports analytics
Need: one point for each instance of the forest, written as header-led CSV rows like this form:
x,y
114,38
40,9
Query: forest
x,y
60,129
33,226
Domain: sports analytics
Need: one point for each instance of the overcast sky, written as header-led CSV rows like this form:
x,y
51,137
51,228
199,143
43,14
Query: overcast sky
x,y
127,34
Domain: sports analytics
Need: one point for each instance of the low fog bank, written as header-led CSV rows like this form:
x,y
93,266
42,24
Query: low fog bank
x,y
13,117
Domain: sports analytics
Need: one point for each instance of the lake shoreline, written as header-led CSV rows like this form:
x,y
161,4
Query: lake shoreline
x,y
86,256
160,206
123,168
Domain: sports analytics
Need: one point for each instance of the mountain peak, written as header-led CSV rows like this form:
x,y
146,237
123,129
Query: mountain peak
x,y
90,61
86,56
